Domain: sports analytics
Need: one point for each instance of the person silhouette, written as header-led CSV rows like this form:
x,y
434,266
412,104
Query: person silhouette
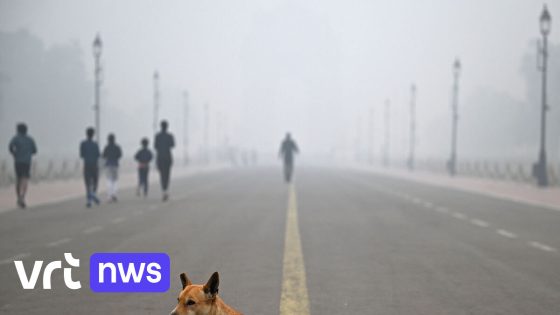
x,y
163,144
22,147
143,157
89,152
112,154
288,149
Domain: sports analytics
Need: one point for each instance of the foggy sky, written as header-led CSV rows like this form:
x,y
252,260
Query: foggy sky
x,y
314,68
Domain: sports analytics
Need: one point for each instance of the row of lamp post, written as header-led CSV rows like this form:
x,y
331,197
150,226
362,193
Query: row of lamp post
x,y
452,162
539,168
97,47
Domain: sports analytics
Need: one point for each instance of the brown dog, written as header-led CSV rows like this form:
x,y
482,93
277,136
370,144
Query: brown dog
x,y
201,299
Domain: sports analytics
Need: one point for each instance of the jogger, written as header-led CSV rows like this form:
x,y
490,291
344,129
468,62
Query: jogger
x,y
163,144
143,157
22,147
89,152
112,154
288,149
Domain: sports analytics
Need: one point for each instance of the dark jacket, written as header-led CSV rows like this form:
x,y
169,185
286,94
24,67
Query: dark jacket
x,y
22,148
287,151
89,152
112,153
163,144
143,157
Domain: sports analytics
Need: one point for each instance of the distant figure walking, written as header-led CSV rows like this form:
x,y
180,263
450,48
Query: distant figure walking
x,y
22,147
163,144
89,152
287,151
112,154
143,157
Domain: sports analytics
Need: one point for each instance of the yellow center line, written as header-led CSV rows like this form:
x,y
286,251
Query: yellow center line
x,y
294,299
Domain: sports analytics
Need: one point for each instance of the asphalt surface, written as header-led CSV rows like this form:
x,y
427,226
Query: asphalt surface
x,y
371,245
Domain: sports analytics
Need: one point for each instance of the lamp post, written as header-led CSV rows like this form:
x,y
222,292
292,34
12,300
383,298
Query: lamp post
x,y
371,135
97,47
539,169
156,100
3,79
387,133
358,143
206,138
452,163
412,126
186,127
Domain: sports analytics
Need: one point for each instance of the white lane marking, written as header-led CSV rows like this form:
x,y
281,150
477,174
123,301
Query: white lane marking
x,y
428,204
459,215
506,233
442,209
478,191
118,220
15,257
93,229
59,242
480,223
542,246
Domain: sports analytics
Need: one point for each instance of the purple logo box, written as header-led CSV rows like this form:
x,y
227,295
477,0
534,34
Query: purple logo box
x,y
129,272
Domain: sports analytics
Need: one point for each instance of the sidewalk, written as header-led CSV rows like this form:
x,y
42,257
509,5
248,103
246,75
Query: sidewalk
x,y
523,193
48,192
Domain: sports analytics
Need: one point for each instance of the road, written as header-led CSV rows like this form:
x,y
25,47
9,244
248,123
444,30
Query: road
x,y
363,244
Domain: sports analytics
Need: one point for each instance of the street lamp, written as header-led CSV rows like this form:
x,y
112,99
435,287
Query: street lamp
x,y
539,168
371,135
387,133
97,47
156,100
206,131
546,22
412,126
186,127
452,163
3,79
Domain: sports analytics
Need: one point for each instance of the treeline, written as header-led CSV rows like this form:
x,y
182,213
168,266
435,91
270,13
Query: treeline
x,y
47,87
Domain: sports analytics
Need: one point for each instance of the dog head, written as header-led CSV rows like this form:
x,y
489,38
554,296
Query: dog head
x,y
197,299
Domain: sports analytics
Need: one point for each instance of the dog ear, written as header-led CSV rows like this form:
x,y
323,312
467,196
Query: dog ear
x,y
184,280
211,287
